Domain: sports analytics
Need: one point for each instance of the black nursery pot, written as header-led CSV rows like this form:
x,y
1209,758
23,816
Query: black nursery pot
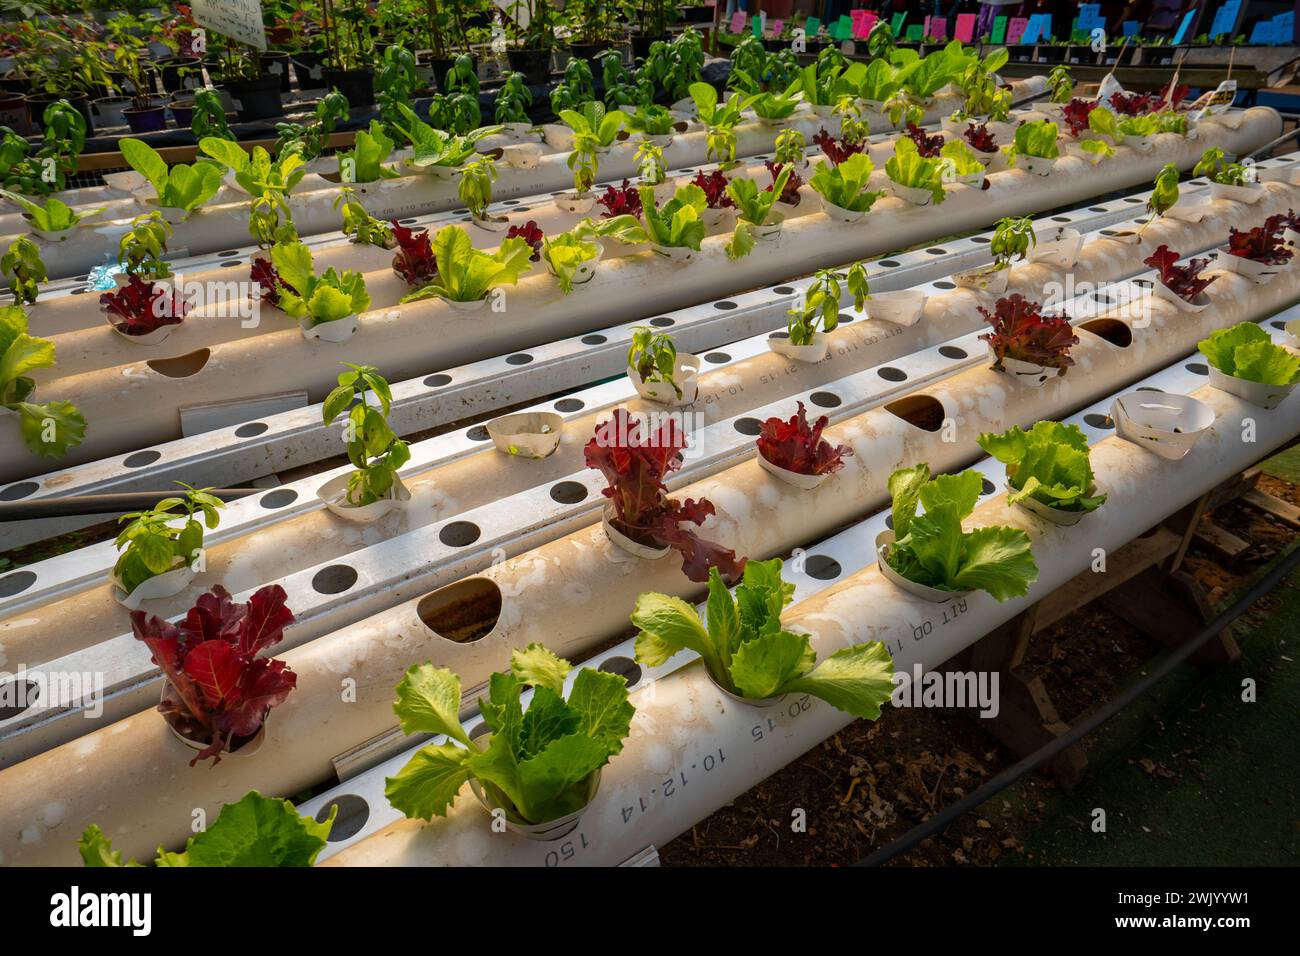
x,y
36,103
641,43
276,63
587,51
441,65
357,85
255,99
304,64
172,79
151,120
535,65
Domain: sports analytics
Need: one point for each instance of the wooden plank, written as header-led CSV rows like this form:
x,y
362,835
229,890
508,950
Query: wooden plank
x,y
1158,606
1224,543
1283,511
1121,566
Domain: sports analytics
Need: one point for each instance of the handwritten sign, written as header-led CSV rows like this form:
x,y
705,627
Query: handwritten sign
x,y
844,28
1225,18
777,27
238,19
938,28
1184,26
897,23
999,34
1284,27
1038,29
916,32
1016,29
812,26
738,22
863,21
965,28
1130,28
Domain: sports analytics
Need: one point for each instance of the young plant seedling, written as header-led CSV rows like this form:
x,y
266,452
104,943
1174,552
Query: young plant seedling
x,y
47,429
373,449
23,270
155,542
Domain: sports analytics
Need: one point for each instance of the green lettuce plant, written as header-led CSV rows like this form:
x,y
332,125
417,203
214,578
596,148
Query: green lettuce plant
x,y
748,652
907,167
778,106
539,761
960,159
652,120
373,449
1164,194
364,163
361,227
256,831
181,186
755,207
846,185
1246,351
474,187
53,215
1048,463
932,548
466,274
316,299
1036,139
677,223
23,270
48,429
435,147
566,253
720,119
1215,165
258,171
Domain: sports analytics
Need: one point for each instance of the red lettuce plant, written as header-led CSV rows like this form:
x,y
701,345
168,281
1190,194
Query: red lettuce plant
x,y
1263,243
1139,104
530,233
1184,281
796,446
414,260
927,146
142,307
979,137
790,195
1021,332
715,185
220,690
636,459
264,273
837,150
1076,113
622,200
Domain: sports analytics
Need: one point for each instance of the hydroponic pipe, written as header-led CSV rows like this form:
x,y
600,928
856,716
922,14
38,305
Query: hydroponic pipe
x,y
138,404
114,504
221,226
131,777
244,558
682,719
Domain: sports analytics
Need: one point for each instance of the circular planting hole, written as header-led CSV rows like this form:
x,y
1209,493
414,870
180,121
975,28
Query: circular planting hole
x,y
1061,219
822,567
353,814
717,358
625,667
251,430
19,491
594,340
569,492
784,290
945,285
458,534
1098,421
16,583
663,322
891,374
936,252
825,399
405,222
232,262
1149,388
1133,199
279,498
1197,368
846,318
520,358
478,433
140,459
987,487
335,579
227,253
982,240
1098,209
569,405
952,352
888,263
725,305
437,381
16,696
748,426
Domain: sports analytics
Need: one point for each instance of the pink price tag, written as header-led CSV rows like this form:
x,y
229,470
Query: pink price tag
x,y
965,29
738,22
1016,29
939,28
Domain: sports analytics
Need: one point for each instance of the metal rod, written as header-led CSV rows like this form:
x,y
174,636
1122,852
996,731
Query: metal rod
x,y
117,503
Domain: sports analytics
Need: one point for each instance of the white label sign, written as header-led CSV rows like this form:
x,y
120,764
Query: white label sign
x,y
238,19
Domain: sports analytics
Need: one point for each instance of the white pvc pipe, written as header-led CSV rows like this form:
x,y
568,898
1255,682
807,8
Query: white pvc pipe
x,y
144,402
581,580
